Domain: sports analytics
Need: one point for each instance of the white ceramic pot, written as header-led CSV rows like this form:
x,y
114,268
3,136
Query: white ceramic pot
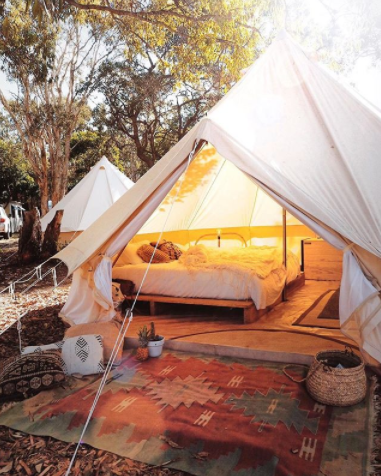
x,y
155,347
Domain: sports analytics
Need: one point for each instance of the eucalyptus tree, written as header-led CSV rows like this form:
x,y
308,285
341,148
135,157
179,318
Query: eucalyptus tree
x,y
47,64
152,109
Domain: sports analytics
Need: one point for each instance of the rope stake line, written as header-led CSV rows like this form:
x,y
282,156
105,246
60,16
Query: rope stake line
x,y
19,328
34,271
11,256
40,277
12,286
128,318
12,291
54,274
118,342
21,280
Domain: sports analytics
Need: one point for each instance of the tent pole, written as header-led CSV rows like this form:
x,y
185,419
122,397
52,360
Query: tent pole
x,y
284,293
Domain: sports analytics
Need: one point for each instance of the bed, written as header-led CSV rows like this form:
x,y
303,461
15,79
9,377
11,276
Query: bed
x,y
251,278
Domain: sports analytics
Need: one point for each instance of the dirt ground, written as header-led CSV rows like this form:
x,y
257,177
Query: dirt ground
x,y
22,454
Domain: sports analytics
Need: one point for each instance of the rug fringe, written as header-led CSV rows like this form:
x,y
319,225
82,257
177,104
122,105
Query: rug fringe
x,y
376,427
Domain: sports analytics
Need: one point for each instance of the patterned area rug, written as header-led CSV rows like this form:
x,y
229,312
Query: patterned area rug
x,y
207,416
324,312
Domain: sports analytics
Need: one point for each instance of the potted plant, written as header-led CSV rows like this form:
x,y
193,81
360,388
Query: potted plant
x,y
142,351
155,342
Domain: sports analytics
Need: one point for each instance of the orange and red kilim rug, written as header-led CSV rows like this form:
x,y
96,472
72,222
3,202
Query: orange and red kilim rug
x,y
207,415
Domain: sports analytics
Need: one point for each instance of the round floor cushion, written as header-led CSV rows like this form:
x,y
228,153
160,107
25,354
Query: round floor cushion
x,y
27,375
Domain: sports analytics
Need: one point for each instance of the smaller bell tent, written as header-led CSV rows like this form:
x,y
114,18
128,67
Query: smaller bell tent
x,y
89,199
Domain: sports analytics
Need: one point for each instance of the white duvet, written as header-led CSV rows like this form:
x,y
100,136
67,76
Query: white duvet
x,y
221,282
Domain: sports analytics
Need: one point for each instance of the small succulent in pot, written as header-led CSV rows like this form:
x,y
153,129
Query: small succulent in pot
x,y
152,336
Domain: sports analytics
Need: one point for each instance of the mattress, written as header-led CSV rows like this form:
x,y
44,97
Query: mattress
x,y
174,279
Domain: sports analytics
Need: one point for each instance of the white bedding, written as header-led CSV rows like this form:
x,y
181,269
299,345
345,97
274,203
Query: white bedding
x,y
175,279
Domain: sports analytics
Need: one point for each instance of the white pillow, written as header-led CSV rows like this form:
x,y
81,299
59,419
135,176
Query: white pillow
x,y
82,354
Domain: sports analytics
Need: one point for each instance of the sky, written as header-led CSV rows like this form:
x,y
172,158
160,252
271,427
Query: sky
x,y
367,80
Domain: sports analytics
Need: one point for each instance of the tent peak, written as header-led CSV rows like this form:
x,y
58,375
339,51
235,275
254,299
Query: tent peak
x,y
104,159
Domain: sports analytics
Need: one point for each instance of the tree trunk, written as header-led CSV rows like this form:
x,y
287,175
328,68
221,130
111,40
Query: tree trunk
x,y
58,180
43,182
44,196
30,237
50,243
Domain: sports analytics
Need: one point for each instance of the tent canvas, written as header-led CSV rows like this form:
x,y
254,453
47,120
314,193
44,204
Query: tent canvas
x,y
90,198
310,143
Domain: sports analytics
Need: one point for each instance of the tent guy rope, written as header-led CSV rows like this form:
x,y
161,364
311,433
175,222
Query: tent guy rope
x,y
128,318
33,272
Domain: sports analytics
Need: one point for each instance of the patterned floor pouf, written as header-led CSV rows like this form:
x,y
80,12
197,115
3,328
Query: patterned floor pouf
x,y
27,375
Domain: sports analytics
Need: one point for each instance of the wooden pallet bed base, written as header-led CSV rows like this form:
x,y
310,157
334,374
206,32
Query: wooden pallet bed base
x,y
250,312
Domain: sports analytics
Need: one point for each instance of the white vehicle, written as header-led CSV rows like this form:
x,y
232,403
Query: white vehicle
x,y
5,224
14,212
11,219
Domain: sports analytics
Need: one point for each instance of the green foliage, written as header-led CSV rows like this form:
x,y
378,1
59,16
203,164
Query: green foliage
x,y
186,36
153,110
26,45
86,149
16,182
180,57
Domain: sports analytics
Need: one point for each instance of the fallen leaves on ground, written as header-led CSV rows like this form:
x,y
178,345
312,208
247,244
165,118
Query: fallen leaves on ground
x,y
39,299
22,454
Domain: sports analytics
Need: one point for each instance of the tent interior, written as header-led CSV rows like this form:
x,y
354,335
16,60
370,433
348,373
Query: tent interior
x,y
216,198
216,205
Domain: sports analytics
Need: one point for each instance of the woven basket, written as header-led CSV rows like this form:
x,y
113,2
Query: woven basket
x,y
338,387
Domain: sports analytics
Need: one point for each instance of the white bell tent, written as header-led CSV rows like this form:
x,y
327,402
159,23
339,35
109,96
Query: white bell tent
x,y
308,142
89,199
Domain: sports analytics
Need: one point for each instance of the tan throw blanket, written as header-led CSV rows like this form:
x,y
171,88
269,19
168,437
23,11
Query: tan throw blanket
x,y
258,260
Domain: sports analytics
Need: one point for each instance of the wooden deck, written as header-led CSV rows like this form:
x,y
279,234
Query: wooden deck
x,y
220,331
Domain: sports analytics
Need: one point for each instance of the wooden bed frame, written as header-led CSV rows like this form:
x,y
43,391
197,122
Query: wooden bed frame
x,y
250,312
